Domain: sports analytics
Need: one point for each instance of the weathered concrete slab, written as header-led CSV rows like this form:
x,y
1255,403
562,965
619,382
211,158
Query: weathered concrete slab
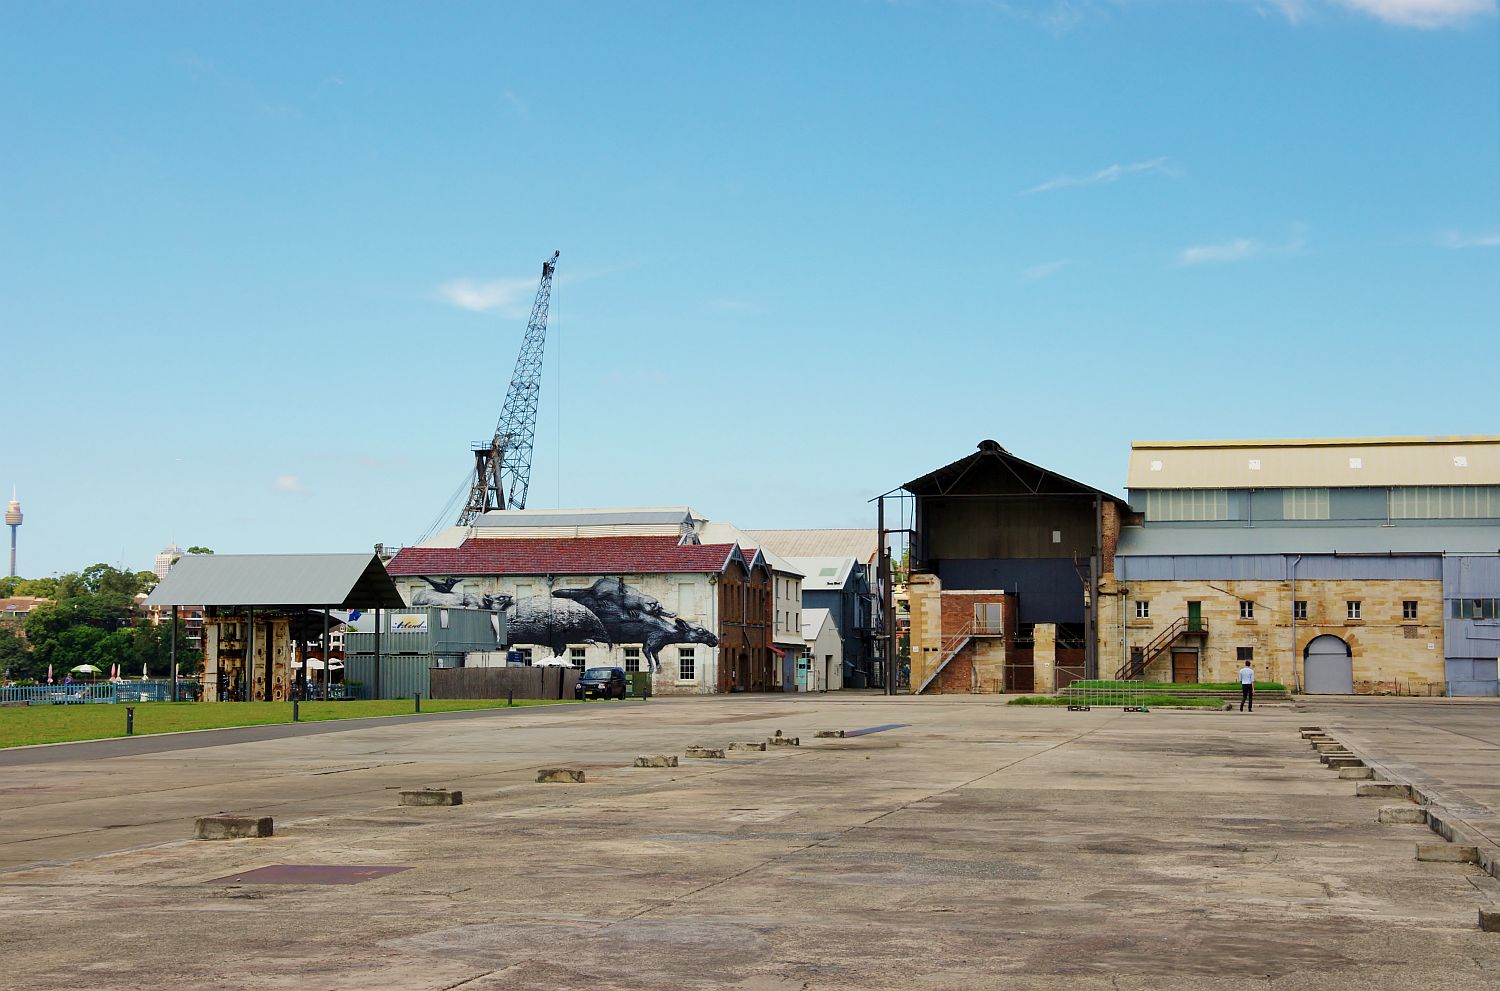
x,y
1356,772
1330,748
232,827
656,760
1382,789
1447,853
432,796
1489,920
705,753
1413,814
785,741
560,775
1337,763
748,745
829,734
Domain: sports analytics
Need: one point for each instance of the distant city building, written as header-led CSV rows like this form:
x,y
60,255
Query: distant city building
x,y
13,520
165,559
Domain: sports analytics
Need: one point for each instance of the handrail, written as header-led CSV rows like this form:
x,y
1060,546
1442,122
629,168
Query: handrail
x,y
948,649
1141,658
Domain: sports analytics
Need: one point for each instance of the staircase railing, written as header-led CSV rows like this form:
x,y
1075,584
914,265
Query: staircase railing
x,y
1141,657
948,650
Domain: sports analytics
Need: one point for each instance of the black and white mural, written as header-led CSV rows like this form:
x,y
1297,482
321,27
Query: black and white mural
x,y
608,612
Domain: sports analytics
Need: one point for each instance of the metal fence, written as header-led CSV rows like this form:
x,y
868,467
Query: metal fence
x,y
103,692
1082,696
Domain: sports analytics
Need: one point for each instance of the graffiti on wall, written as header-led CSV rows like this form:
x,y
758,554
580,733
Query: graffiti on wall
x,y
608,612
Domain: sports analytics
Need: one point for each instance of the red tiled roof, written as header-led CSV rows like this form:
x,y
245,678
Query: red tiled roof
x,y
562,556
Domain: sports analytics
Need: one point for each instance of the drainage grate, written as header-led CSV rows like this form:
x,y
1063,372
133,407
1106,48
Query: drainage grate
x,y
309,874
875,729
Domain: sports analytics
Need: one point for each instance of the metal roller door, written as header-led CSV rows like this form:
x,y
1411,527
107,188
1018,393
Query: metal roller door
x,y
1327,667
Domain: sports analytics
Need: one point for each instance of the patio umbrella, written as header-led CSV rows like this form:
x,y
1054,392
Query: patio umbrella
x,y
49,674
143,670
80,669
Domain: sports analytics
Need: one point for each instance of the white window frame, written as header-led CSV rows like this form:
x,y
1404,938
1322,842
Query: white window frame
x,y
1354,609
1304,504
1299,610
1142,608
1186,505
632,660
1410,610
687,661
578,657
1247,609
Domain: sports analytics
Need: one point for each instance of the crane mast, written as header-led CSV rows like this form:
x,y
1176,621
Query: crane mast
x,y
502,467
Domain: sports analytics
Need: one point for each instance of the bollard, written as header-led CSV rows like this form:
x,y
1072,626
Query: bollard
x,y
417,697
510,696
130,720
296,713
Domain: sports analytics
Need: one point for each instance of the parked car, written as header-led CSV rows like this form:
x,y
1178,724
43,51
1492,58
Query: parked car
x,y
601,683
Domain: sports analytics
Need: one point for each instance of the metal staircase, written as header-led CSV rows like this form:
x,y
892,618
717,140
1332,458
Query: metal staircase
x,y
1142,657
950,649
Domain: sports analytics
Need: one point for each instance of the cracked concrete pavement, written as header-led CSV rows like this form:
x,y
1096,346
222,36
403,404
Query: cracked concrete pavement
x,y
978,846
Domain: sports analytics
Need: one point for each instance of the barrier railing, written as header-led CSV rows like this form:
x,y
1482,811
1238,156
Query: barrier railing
x,y
1127,695
100,691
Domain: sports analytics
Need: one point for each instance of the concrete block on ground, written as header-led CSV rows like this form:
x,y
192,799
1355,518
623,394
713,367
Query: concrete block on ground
x,y
1382,789
1330,748
559,775
748,745
432,796
231,827
1447,853
785,741
1489,920
656,760
1413,814
1329,758
1309,729
829,733
1337,763
1356,772
707,753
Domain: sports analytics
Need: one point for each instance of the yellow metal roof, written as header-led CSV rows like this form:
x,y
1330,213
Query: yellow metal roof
x,y
1314,463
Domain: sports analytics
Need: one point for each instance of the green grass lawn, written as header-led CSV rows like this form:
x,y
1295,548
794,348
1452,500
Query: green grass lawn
x,y
1176,686
30,724
1151,700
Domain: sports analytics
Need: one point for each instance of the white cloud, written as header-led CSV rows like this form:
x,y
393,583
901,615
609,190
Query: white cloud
x,y
1455,240
1111,173
1239,249
288,483
1422,13
508,295
1046,270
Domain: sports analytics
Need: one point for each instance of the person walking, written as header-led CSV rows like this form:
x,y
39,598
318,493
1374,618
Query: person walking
x,y
1247,687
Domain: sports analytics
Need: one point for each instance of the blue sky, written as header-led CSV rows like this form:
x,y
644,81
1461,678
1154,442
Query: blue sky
x,y
264,267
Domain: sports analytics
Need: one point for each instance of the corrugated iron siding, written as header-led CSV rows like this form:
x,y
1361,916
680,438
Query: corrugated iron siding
x,y
400,677
1276,567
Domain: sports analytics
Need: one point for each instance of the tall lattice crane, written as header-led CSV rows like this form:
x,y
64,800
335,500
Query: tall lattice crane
x,y
502,467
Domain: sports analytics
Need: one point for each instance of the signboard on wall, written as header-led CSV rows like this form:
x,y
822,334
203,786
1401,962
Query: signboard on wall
x,y
416,623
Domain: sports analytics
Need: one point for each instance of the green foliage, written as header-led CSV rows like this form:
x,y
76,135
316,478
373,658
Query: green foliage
x,y
15,660
195,549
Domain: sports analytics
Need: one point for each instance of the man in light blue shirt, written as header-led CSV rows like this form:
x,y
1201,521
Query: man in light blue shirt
x,y
1247,687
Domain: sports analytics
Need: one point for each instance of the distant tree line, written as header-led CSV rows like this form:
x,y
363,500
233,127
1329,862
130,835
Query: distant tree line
x,y
92,619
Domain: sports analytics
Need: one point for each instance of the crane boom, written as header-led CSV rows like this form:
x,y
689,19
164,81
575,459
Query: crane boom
x,y
502,468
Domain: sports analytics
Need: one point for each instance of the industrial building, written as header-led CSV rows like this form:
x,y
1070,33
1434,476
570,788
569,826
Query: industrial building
x,y
634,588
839,574
1334,566
1007,559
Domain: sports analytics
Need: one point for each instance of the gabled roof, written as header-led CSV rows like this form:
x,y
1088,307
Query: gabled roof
x,y
860,543
992,470
348,581
812,623
723,533
823,574
564,556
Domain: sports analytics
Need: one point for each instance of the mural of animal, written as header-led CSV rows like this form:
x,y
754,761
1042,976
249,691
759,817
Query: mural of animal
x,y
680,631
615,603
543,621
441,594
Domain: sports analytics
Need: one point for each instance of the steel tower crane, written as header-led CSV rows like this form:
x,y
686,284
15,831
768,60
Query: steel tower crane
x,y
502,467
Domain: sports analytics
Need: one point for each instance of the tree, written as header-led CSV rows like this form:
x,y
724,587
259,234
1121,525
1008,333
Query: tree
x,y
16,662
41,588
195,549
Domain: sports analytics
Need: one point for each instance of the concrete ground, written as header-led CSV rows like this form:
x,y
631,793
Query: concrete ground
x,y
977,846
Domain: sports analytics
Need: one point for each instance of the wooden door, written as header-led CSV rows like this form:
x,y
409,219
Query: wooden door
x,y
1184,666
1195,616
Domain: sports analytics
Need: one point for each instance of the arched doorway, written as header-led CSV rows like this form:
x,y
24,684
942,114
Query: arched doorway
x,y
1327,666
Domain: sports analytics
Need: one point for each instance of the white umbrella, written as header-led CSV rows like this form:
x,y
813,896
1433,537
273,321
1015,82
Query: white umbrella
x,y
85,669
552,662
